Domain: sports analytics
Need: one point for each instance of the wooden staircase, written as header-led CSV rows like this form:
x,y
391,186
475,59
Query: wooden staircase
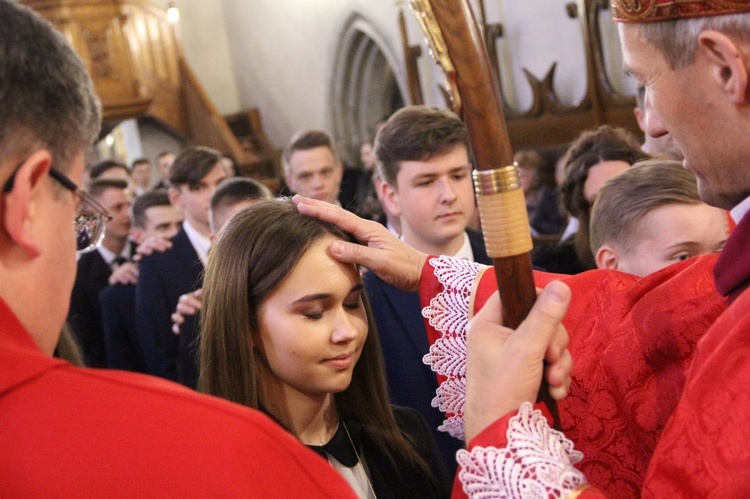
x,y
134,56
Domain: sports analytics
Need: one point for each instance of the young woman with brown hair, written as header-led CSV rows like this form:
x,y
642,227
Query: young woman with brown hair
x,y
286,329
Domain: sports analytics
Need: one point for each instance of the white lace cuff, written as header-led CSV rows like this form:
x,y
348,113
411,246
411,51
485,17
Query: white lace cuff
x,y
536,463
448,313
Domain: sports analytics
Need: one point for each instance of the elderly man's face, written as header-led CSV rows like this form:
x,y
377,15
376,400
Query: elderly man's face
x,y
695,107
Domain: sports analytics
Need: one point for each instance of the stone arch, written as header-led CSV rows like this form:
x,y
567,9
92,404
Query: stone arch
x,y
365,88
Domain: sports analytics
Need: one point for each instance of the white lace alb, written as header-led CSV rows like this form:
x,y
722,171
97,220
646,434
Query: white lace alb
x,y
536,463
448,313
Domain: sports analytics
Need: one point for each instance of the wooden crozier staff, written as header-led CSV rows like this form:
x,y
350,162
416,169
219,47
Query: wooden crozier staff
x,y
458,46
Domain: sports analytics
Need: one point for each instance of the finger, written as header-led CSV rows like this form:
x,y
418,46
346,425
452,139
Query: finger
x,y
349,222
558,345
491,312
193,303
186,310
558,376
546,315
347,252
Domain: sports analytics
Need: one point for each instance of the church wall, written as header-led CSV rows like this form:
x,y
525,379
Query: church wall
x,y
205,41
280,55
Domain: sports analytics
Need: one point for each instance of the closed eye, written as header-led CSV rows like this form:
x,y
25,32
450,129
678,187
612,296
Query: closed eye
x,y
313,315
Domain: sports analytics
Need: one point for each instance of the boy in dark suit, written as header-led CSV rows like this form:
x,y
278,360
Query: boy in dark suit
x,y
95,268
425,169
163,277
155,220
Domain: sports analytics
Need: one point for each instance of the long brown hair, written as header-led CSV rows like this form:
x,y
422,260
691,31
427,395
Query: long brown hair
x,y
253,254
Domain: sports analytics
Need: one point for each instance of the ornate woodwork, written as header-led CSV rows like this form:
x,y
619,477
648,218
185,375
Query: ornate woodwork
x,y
134,56
549,122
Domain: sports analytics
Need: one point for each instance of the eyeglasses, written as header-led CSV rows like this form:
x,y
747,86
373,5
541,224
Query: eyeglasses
x,y
90,221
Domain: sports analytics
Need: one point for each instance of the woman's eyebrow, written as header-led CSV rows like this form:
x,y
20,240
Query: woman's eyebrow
x,y
324,296
312,297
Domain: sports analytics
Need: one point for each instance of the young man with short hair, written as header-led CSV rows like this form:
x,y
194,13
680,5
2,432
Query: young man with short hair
x,y
163,161
153,217
650,217
140,172
94,268
233,195
426,172
312,167
163,277
426,182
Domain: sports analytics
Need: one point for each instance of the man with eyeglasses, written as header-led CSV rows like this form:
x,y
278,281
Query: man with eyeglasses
x,y
71,431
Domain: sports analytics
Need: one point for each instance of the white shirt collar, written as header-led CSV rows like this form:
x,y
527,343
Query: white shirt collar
x,y
200,243
393,230
109,256
739,211
570,229
465,252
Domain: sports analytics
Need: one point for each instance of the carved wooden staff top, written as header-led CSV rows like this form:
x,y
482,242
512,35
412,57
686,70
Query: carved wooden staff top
x,y
458,46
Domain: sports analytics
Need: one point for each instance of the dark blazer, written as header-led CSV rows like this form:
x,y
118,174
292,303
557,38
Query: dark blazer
x,y
403,339
560,258
118,320
402,481
548,217
162,278
85,316
405,483
187,352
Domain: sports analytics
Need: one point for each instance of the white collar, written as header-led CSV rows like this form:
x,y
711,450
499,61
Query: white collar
x,y
570,229
393,230
465,252
739,211
109,256
200,243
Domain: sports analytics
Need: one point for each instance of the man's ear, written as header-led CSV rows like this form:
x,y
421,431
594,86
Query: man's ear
x,y
388,195
137,234
729,67
22,204
606,258
288,182
174,197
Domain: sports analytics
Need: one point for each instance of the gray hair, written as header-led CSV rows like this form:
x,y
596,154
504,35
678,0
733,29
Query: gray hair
x,y
676,39
47,99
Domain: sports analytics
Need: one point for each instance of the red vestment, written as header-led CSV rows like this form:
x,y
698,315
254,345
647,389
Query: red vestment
x,y
632,341
705,448
71,432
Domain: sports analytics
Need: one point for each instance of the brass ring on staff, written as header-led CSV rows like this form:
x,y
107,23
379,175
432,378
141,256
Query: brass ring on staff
x,y
505,221
497,180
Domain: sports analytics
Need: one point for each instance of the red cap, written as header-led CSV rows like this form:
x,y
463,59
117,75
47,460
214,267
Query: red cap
x,y
644,11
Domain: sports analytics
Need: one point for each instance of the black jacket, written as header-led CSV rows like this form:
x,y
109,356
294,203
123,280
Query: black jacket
x,y
389,481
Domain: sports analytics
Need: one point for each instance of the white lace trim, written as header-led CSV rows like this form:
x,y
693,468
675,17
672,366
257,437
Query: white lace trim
x,y
448,313
537,462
